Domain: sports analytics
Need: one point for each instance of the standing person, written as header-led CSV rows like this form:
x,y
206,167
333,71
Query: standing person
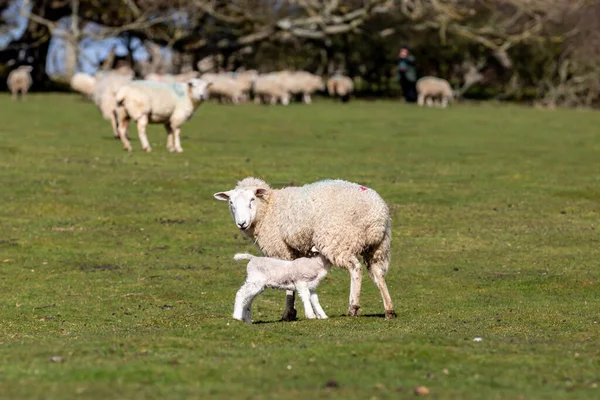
x,y
407,74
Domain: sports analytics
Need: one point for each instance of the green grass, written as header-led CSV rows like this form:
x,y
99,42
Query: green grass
x,y
121,264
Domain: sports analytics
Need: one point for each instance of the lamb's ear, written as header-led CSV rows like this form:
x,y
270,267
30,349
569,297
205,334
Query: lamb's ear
x,y
190,84
209,84
223,195
260,192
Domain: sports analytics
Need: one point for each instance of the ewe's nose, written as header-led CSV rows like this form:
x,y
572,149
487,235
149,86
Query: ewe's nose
x,y
242,225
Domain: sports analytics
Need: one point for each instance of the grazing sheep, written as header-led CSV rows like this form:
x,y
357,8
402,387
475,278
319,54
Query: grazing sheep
x,y
431,88
342,219
148,102
105,91
19,81
83,83
184,77
340,86
302,82
225,87
271,88
302,275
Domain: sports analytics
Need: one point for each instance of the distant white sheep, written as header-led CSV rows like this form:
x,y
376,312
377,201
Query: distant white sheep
x,y
148,102
431,88
340,86
301,82
105,91
19,81
343,220
183,77
301,275
271,88
83,83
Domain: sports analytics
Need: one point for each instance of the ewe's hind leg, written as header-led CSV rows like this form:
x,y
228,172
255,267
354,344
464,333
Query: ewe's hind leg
x,y
142,122
306,98
170,139
355,270
304,294
122,129
421,100
377,264
444,102
314,301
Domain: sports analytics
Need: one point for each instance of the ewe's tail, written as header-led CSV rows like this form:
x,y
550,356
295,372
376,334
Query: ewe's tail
x,y
243,256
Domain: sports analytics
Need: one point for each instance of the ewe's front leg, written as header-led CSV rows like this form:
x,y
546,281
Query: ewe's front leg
x,y
177,132
290,312
141,124
304,294
122,129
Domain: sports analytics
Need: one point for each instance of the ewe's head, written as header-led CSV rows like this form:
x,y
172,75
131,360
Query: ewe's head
x,y
243,204
198,89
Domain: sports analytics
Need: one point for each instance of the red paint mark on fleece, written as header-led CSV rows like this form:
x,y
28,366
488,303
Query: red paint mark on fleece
x,y
362,188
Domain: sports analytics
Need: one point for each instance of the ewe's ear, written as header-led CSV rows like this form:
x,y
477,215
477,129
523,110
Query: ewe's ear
x,y
260,192
224,196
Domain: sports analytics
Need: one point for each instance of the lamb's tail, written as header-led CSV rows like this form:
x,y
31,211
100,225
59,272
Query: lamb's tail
x,y
243,256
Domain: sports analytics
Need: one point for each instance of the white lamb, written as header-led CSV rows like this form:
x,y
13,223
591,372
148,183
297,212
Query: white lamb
x,y
148,102
342,219
271,88
19,81
302,275
431,88
83,83
340,86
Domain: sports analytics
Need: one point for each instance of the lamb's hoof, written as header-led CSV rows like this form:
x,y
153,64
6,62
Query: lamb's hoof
x,y
171,149
289,315
179,150
128,149
353,311
390,314
147,149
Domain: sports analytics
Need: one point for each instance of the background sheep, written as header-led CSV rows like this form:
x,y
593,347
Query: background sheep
x,y
342,219
19,81
105,91
302,275
170,104
83,83
340,86
270,88
431,88
301,82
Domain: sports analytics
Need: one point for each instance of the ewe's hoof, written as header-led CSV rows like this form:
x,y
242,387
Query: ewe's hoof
x,y
147,149
179,150
390,314
289,316
353,311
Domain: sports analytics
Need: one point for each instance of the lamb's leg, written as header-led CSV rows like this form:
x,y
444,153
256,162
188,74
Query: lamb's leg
x,y
429,102
123,124
142,122
421,99
314,300
377,264
243,301
444,102
177,133
306,98
304,294
170,145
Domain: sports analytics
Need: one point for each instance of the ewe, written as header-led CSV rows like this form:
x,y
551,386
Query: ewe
x,y
342,219
149,102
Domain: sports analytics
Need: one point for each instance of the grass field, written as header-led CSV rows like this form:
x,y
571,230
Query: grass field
x,y
122,264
